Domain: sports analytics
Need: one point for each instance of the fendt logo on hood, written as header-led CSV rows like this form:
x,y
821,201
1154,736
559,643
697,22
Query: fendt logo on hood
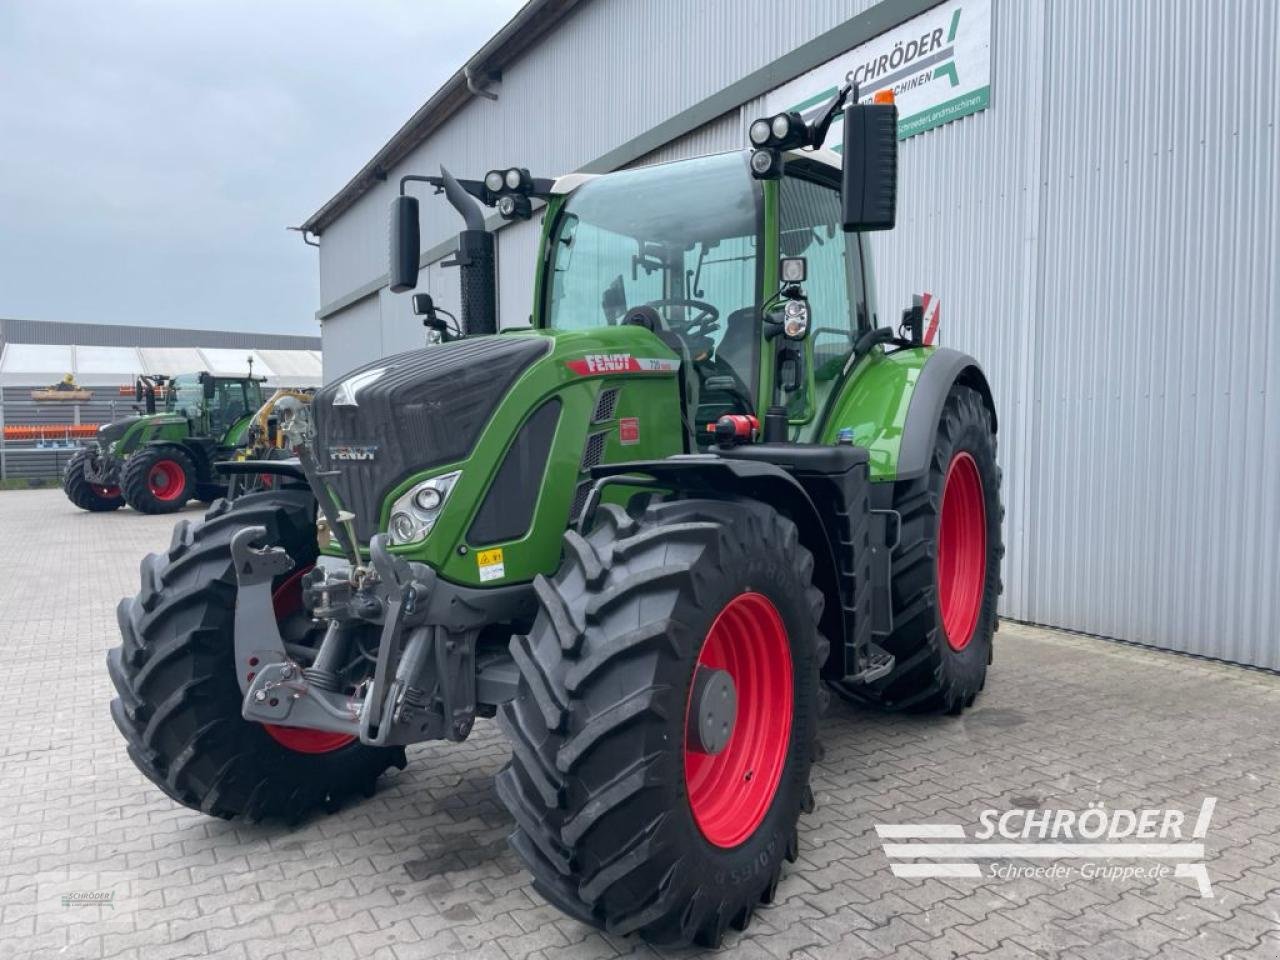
x,y
353,452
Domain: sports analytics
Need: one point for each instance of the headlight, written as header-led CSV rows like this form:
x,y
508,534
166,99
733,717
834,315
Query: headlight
x,y
759,132
781,126
415,512
514,179
493,181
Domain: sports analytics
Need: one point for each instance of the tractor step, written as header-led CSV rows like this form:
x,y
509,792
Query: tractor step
x,y
879,662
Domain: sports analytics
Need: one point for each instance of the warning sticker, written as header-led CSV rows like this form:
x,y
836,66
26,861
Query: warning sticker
x,y
490,564
629,431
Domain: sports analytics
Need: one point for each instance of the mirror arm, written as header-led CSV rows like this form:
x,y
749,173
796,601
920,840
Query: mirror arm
x,y
818,132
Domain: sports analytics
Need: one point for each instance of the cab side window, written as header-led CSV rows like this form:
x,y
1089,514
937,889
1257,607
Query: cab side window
x,y
810,227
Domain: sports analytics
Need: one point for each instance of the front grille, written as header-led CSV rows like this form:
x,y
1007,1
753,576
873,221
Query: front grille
x,y
426,409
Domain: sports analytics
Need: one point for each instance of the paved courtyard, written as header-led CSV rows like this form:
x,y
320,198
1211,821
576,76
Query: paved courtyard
x,y
422,869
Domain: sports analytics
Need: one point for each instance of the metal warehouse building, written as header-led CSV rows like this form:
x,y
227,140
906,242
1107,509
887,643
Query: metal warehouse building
x,y
1091,189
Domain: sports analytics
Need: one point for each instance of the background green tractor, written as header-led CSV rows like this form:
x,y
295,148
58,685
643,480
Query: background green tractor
x,y
647,534
157,461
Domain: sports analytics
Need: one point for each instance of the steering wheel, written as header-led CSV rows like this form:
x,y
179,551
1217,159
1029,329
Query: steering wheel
x,y
707,319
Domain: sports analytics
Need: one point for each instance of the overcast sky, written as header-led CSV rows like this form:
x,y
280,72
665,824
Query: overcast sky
x,y
152,153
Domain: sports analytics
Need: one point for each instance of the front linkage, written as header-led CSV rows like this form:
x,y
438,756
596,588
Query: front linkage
x,y
424,686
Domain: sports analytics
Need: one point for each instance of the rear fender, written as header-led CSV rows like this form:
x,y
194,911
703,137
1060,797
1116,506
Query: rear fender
x,y
943,369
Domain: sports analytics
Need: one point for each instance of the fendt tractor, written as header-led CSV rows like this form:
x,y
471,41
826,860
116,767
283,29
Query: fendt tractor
x,y
647,532
157,461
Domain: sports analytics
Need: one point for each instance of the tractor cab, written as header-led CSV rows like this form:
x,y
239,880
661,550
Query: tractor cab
x,y
698,250
217,407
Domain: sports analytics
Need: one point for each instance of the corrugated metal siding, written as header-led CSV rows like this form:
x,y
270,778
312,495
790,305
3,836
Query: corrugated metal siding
x,y
720,135
1104,238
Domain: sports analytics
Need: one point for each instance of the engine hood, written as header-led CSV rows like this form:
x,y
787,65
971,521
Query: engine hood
x,y
384,421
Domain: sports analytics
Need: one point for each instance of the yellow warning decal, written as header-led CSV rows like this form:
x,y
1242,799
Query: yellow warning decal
x,y
490,564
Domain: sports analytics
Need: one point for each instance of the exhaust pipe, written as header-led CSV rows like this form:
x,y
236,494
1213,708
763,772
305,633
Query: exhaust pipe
x,y
477,276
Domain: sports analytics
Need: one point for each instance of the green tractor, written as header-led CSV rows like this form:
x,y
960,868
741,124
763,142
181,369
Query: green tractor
x,y
647,533
157,461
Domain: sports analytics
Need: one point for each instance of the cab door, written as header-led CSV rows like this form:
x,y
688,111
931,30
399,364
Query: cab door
x,y
809,226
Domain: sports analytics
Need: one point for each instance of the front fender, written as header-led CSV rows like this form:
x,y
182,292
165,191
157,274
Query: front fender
x,y
715,477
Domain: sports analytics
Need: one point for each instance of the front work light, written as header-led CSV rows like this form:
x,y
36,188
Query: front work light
x,y
759,133
766,164
493,181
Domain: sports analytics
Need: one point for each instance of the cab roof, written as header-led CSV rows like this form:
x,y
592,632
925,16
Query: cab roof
x,y
565,185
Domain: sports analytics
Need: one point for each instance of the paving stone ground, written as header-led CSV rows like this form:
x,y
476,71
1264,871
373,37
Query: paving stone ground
x,y
423,870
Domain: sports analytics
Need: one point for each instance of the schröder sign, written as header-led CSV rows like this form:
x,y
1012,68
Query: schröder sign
x,y
937,64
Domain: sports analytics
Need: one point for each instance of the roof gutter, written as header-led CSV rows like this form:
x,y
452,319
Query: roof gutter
x,y
521,32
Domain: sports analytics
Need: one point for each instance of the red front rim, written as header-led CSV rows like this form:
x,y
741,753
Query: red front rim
x,y
166,480
730,792
962,550
287,601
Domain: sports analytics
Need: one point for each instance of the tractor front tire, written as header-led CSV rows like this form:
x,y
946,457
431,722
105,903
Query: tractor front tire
x,y
946,569
158,479
178,701
88,496
624,819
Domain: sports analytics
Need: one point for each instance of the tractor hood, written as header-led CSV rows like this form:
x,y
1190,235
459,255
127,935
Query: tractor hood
x,y
382,422
109,433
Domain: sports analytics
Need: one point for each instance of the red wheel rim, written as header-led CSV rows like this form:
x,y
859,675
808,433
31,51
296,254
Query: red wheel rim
x,y
287,601
730,792
962,550
166,480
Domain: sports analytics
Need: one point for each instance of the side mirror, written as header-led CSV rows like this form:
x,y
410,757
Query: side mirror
x,y
869,192
406,244
137,391
210,388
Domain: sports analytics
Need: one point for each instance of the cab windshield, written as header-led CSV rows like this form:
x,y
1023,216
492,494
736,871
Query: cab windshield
x,y
682,238
187,396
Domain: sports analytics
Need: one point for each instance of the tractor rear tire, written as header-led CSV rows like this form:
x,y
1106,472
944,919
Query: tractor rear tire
x,y
85,495
622,824
178,701
158,479
946,569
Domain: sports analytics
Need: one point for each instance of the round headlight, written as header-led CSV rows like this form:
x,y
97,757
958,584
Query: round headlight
x,y
428,498
507,205
493,181
759,133
514,179
761,162
403,527
781,126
